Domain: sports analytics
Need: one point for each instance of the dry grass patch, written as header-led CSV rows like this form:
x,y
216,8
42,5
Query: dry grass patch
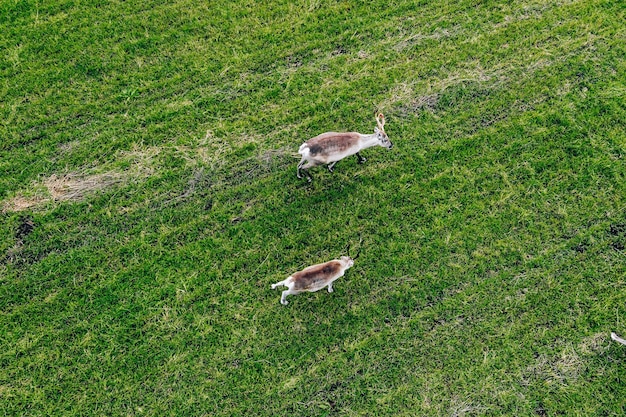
x,y
140,162
74,187
68,187
567,364
412,40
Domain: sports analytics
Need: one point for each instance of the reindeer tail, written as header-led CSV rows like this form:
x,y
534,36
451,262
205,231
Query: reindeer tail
x,y
618,339
304,148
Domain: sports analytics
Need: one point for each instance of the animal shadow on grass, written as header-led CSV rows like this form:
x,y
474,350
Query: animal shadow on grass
x,y
617,234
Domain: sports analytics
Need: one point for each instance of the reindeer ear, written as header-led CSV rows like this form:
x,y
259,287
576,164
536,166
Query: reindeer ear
x,y
376,130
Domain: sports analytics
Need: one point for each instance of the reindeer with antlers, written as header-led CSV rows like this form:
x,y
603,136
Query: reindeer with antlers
x,y
331,147
316,277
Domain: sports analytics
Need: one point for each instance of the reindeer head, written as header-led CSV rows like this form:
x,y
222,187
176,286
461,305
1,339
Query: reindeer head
x,y
382,137
347,261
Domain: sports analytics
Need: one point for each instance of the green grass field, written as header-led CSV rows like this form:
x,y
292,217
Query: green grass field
x,y
148,199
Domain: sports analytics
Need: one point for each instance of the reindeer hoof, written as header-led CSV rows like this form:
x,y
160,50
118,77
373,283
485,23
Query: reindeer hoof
x,y
284,302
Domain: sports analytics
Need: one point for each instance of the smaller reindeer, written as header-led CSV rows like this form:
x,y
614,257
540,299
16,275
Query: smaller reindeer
x,y
331,147
315,277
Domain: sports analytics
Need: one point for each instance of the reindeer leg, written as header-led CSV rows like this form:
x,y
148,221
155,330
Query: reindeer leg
x,y
278,284
299,171
330,287
303,167
359,158
309,178
283,297
331,165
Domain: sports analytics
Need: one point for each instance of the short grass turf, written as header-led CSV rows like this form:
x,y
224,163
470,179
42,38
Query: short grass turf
x,y
149,199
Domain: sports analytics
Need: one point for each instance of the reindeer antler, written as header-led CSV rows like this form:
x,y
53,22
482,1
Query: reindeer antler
x,y
380,121
358,252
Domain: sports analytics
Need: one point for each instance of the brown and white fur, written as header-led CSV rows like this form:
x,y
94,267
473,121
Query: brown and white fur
x,y
330,147
315,277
